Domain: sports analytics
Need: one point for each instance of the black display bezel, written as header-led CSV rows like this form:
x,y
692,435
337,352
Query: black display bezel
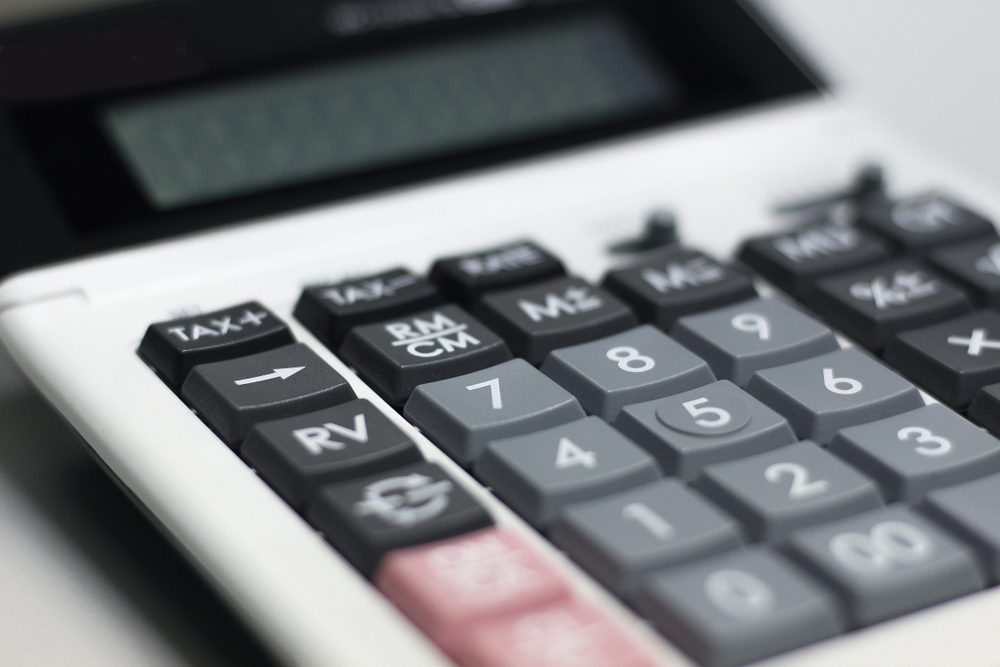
x,y
68,191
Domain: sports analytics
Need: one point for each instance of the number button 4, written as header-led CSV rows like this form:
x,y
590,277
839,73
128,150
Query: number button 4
x,y
822,395
788,488
918,451
713,423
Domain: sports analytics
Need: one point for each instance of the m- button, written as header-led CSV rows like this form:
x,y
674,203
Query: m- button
x,y
174,347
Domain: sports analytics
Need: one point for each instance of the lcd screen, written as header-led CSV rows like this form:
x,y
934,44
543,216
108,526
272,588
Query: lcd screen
x,y
399,107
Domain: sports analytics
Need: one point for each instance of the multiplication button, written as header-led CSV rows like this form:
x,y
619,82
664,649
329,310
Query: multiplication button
x,y
397,355
693,429
231,396
887,562
739,607
173,348
299,454
739,340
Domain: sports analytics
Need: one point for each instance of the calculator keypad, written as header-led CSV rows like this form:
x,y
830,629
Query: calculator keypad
x,y
719,391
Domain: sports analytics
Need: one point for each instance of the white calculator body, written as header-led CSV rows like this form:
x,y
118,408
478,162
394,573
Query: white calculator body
x,y
728,169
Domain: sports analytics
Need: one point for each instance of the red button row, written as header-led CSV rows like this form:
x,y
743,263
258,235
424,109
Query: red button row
x,y
489,600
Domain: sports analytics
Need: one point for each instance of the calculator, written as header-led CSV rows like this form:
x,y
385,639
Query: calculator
x,y
528,333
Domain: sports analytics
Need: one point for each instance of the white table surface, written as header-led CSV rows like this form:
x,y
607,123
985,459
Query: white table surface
x,y
86,581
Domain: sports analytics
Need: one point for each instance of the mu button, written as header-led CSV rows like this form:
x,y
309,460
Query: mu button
x,y
232,396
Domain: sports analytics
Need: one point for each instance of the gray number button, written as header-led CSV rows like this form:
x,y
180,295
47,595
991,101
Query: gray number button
x,y
620,538
462,414
788,488
739,607
739,340
917,451
638,365
970,510
887,562
540,474
713,423
823,395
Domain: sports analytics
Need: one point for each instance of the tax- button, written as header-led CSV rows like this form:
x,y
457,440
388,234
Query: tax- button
x,y
299,454
231,396
173,348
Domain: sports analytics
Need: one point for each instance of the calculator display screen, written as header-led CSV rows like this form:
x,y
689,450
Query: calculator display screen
x,y
438,98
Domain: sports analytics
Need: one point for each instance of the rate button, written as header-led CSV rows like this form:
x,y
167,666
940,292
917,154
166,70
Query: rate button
x,y
233,395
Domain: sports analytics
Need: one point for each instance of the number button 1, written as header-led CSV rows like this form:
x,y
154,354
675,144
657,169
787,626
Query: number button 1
x,y
701,426
887,562
820,396
788,488
462,414
638,365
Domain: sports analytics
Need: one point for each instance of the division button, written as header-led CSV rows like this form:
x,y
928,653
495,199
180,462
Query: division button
x,y
173,348
739,340
398,508
886,563
330,311
449,587
796,259
299,454
970,511
739,607
975,265
701,426
918,451
952,360
538,318
871,305
464,278
462,414
541,473
638,365
822,395
788,488
231,396
569,633
397,355
666,284
925,221
621,538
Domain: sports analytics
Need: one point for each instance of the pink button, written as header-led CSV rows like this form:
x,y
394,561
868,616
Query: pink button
x,y
565,634
448,586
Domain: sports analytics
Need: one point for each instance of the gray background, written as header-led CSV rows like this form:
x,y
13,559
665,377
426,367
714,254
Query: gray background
x,y
87,581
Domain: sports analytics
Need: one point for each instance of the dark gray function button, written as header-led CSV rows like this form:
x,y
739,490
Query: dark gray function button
x,y
970,511
299,454
621,538
795,259
918,451
663,285
638,365
175,347
925,221
788,488
397,355
233,395
541,473
985,409
871,305
975,265
701,426
822,395
329,311
366,518
952,360
739,607
464,278
462,414
538,318
741,339
886,563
